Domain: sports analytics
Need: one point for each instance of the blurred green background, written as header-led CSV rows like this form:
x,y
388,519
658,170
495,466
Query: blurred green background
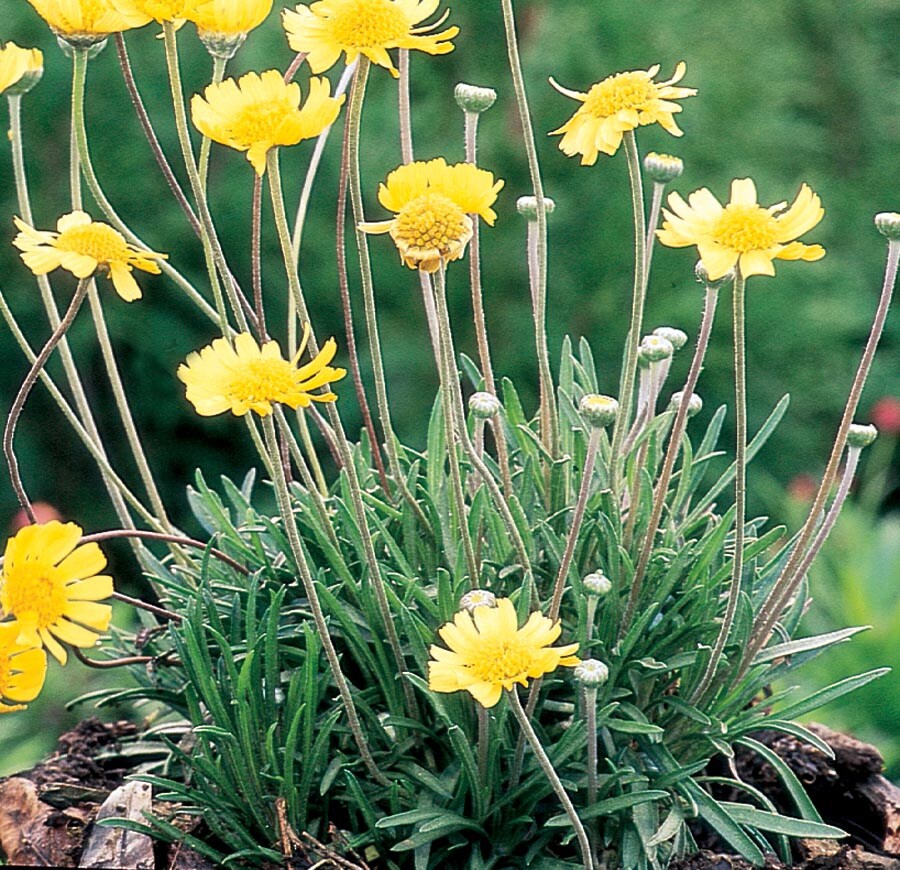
x,y
788,92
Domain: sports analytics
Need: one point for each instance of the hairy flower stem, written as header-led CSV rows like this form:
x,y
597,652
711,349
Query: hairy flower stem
x,y
534,169
218,73
79,130
791,577
740,484
15,410
340,437
481,337
152,140
652,222
484,745
212,251
71,370
290,525
93,444
256,257
547,766
674,448
447,371
590,721
629,368
347,308
587,475
406,140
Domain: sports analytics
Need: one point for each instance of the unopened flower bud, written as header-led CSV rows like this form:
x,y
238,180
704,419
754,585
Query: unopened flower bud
x,y
477,598
474,99
484,405
695,405
528,206
591,673
676,337
888,224
703,276
654,348
597,584
598,410
663,168
861,435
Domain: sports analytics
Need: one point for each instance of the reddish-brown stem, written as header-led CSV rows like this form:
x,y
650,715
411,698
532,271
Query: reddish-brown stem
x,y
291,71
256,257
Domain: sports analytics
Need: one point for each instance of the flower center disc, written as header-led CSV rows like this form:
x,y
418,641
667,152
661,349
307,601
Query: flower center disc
x,y
99,241
431,221
258,122
630,90
746,228
368,23
38,591
262,380
502,660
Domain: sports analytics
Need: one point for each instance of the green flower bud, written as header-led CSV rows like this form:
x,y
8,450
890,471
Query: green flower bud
x,y
662,168
477,598
528,206
484,405
597,584
695,405
888,224
474,99
703,277
654,348
599,411
675,337
861,435
591,673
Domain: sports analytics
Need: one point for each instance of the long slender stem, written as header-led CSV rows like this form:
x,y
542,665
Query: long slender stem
x,y
218,74
740,485
674,448
587,475
652,221
9,430
790,577
623,420
446,369
290,525
406,140
590,721
256,257
547,766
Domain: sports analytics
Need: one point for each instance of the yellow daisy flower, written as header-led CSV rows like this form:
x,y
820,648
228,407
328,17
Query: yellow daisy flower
x,y
489,652
260,112
246,377
87,21
433,204
742,233
158,10
228,18
83,247
364,27
52,587
620,102
20,68
22,669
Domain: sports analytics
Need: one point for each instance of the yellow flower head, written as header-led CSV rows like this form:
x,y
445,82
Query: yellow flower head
x,y
158,10
621,102
742,233
228,17
83,247
22,669
260,112
364,27
20,68
489,652
246,377
433,204
87,21
51,586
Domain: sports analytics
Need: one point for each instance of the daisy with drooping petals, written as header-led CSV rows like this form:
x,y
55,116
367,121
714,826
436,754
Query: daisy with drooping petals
x,y
87,21
244,377
434,203
364,27
259,112
20,68
620,102
83,247
489,652
23,668
52,587
742,233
